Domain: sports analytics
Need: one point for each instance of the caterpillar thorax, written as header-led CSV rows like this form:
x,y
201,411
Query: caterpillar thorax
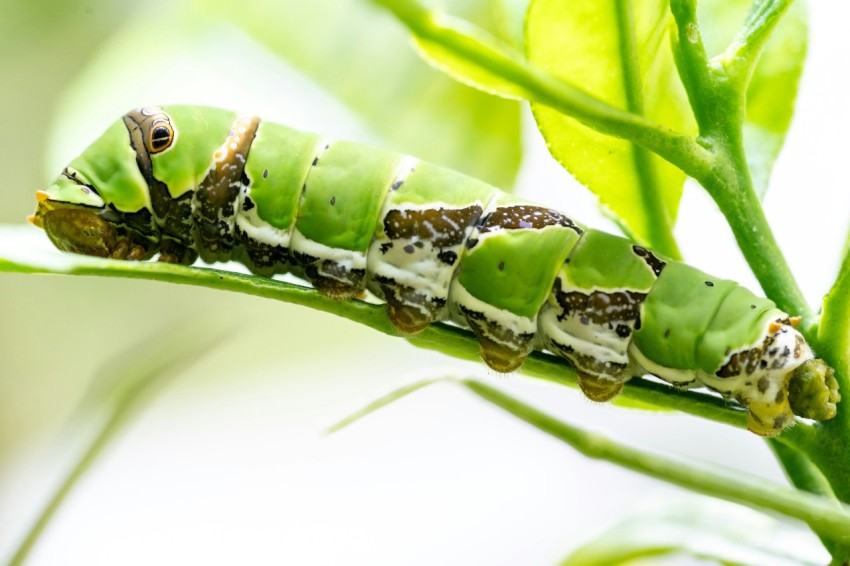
x,y
435,245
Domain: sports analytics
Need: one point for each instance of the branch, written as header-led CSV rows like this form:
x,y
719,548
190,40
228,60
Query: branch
x,y
824,515
443,338
496,67
719,103
741,56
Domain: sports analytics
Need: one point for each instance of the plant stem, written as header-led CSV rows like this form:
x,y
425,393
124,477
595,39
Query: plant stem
x,y
449,340
824,515
804,475
719,103
661,228
740,205
740,57
539,86
717,90
831,452
717,161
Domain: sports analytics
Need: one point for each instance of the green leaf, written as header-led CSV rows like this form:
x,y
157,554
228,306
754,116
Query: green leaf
x,y
479,58
382,402
704,529
774,85
619,52
468,52
362,56
773,92
458,54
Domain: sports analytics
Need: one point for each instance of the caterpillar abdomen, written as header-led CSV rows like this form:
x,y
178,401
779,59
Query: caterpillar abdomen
x,y
434,245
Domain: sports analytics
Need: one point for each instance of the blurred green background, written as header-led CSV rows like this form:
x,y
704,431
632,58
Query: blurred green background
x,y
228,464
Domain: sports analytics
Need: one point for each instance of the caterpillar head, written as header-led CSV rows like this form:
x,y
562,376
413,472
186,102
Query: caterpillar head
x,y
100,203
787,381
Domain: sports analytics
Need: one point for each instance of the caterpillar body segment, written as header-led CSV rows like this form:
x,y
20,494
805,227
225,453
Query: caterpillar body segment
x,y
595,308
189,182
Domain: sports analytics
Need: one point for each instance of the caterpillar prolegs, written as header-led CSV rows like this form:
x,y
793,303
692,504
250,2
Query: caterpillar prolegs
x,y
189,182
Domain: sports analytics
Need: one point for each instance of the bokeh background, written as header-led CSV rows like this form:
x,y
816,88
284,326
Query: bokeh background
x,y
228,462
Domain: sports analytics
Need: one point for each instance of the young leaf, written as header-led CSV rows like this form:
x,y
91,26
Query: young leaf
x,y
466,51
704,529
380,403
619,52
773,87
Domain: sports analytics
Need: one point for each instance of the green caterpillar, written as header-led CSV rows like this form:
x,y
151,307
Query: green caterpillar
x,y
435,245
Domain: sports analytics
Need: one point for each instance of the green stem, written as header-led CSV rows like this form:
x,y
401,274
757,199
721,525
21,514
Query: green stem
x,y
803,474
86,461
541,87
740,57
800,470
822,514
661,227
443,338
717,90
828,447
831,452
719,103
692,59
741,206
719,110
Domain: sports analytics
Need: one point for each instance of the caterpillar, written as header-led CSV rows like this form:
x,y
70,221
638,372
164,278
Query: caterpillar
x,y
433,244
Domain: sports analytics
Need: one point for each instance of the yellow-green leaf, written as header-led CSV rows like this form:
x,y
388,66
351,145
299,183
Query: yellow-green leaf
x,y
461,59
773,88
710,532
620,52
362,56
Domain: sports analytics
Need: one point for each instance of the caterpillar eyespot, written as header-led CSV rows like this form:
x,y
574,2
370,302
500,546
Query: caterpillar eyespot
x,y
434,245
160,139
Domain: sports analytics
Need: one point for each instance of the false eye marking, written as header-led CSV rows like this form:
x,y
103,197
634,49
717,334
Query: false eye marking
x,y
161,137
150,128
